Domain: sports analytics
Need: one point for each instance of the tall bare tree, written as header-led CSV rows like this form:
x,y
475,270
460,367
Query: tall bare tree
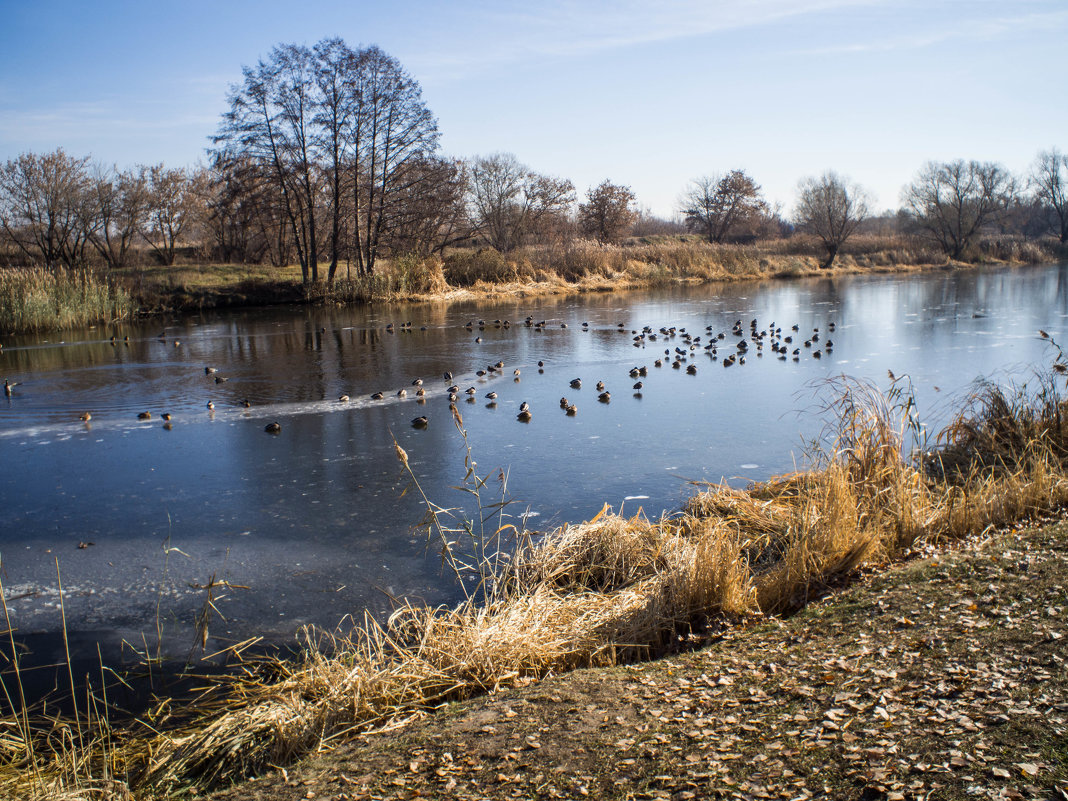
x,y
271,120
428,212
508,201
724,207
953,201
1049,178
831,208
46,207
121,206
607,214
393,132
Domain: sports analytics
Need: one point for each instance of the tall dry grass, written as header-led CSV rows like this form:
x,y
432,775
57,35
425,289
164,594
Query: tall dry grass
x,y
609,590
34,299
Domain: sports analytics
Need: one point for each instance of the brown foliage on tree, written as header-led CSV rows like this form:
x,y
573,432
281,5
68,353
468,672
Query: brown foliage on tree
x,y
607,214
724,208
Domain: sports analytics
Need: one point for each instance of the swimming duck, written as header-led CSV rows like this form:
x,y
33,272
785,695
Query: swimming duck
x,y
9,385
343,399
209,370
515,372
576,383
377,396
246,403
220,380
447,376
144,416
402,393
420,422
85,417
417,382
273,428
210,406
166,417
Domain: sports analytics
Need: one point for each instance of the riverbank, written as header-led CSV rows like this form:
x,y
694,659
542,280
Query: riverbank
x,y
609,592
34,300
944,677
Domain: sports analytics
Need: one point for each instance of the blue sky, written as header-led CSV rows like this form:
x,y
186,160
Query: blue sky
x,y
648,94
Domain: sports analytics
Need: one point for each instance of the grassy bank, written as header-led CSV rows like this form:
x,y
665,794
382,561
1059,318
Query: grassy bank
x,y
569,267
610,591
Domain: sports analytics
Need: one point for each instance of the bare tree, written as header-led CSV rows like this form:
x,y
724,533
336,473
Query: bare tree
x,y
173,196
725,207
1049,178
508,201
270,120
428,214
45,207
121,206
953,201
831,208
392,133
607,213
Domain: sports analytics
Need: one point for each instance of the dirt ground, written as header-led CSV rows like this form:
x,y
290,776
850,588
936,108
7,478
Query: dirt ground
x,y
943,678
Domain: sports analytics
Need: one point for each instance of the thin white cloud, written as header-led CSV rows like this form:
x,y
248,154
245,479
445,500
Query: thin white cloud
x,y
570,28
976,30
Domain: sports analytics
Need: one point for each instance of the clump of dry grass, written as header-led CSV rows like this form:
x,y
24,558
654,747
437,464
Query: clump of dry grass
x,y
33,299
612,589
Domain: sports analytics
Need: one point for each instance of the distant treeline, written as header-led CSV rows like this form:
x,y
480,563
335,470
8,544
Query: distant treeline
x,y
329,155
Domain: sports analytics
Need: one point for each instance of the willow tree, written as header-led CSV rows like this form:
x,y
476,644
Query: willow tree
x,y
831,208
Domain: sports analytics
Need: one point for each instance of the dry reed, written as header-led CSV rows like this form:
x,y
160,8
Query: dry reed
x,y
609,590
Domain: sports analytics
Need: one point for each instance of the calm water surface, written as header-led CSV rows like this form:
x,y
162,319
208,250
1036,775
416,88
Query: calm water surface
x,y
315,523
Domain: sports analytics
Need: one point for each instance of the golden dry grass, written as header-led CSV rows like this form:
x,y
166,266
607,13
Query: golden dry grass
x,y
609,590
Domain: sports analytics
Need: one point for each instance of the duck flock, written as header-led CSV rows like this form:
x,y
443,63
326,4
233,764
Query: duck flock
x,y
681,352
725,348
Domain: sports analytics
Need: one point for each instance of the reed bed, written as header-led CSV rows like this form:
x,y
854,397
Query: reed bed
x,y
610,590
33,299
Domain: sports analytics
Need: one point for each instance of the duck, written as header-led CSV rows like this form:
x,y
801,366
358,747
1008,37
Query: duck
x,y
576,383
343,399
220,380
524,416
541,363
447,375
210,370
273,428
166,417
491,395
515,372
402,393
564,403
420,392
572,410
377,396
9,385
524,407
634,372
246,403
210,406
471,391
420,422
452,397
85,417
453,389
418,382
604,397
638,386
600,386
144,416
691,369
